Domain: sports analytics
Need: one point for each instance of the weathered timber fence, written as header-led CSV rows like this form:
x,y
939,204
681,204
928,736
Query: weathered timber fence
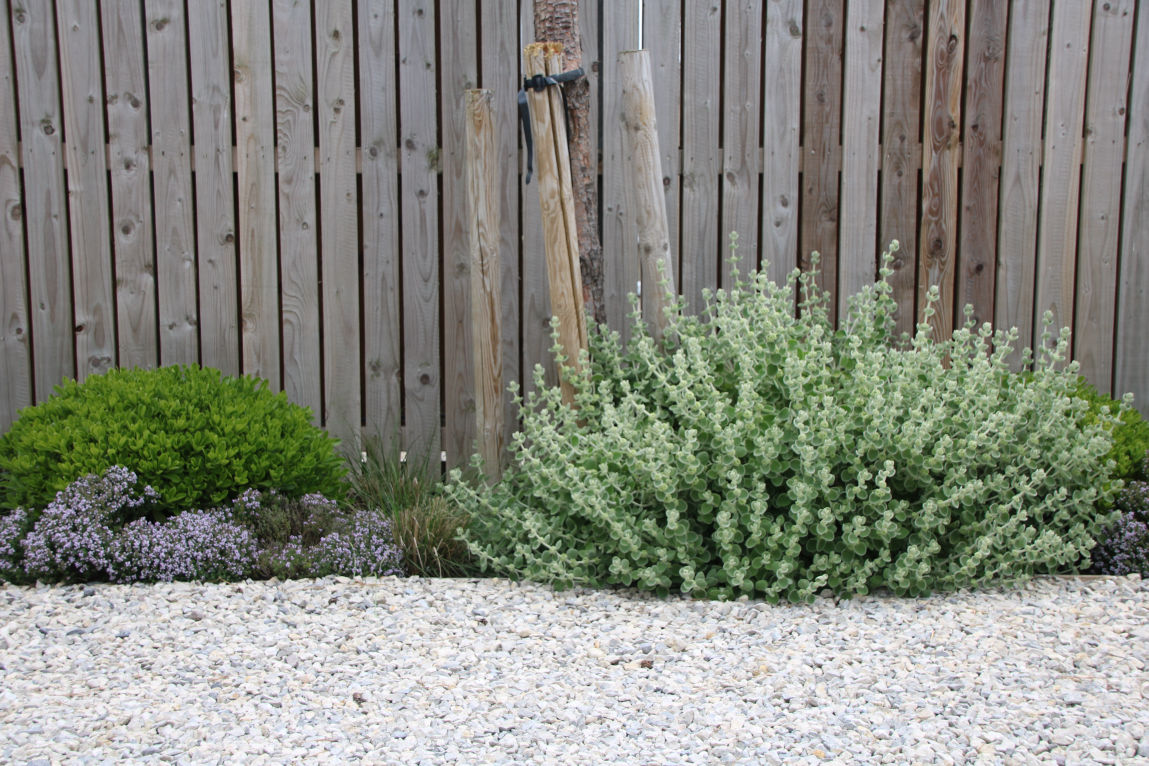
x,y
278,188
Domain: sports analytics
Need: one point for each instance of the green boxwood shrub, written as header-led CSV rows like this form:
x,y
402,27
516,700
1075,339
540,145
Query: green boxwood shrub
x,y
197,437
762,454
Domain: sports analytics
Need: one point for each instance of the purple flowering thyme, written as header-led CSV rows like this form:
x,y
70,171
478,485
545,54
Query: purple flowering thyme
x,y
193,545
365,546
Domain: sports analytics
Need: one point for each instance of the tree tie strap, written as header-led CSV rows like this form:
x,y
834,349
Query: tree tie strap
x,y
537,83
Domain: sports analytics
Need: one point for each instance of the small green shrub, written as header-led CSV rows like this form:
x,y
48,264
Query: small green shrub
x,y
197,437
1130,430
762,454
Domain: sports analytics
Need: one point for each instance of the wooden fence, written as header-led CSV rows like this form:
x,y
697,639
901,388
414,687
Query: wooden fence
x,y
277,187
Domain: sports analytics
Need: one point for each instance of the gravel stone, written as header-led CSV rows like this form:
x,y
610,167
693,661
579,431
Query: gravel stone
x,y
412,670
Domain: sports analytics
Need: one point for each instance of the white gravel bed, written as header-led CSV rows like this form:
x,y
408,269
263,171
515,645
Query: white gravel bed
x,y
411,671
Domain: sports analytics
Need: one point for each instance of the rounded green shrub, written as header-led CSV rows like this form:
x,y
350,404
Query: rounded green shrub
x,y
1130,430
197,437
761,453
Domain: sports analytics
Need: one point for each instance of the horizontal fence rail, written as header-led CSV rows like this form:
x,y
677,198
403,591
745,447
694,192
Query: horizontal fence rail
x,y
277,188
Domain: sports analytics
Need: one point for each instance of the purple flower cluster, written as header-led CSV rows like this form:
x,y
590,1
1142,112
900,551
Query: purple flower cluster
x,y
364,547
72,538
1134,498
1125,547
193,545
13,527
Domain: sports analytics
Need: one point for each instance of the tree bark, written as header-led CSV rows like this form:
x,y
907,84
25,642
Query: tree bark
x,y
557,21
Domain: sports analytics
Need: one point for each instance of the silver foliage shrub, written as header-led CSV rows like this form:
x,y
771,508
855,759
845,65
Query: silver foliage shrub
x,y
763,454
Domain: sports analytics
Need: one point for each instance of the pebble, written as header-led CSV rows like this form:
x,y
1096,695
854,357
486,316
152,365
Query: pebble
x,y
415,670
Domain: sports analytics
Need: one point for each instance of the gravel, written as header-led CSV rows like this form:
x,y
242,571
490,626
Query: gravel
x,y
411,670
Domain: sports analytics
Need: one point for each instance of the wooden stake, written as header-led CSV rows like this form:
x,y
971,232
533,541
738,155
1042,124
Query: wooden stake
x,y
644,189
483,199
566,301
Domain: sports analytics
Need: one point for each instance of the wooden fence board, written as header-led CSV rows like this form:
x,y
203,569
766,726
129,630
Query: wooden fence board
x,y
128,141
1099,227
82,97
782,136
339,221
45,209
741,126
499,66
298,217
902,150
460,72
940,146
620,32
821,123
15,359
255,172
861,123
701,161
1061,163
981,159
1020,169
1131,363
379,131
536,300
169,109
662,37
420,226
214,192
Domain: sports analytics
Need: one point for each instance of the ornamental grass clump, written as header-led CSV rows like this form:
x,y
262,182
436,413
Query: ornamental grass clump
x,y
759,453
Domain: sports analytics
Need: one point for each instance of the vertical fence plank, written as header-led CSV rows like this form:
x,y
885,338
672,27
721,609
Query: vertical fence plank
x,y
861,118
255,171
169,109
981,159
420,222
460,72
15,359
619,236
45,210
82,96
1061,163
821,153
701,69
298,222
662,36
379,130
499,66
741,123
1131,363
782,136
1099,229
536,300
215,195
339,221
902,150
940,146
1020,169
128,142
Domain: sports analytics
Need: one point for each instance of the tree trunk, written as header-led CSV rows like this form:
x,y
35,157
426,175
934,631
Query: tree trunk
x,y
557,21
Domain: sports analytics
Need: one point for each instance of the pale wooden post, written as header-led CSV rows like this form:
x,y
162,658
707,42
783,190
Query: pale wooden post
x,y
482,176
644,189
549,134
